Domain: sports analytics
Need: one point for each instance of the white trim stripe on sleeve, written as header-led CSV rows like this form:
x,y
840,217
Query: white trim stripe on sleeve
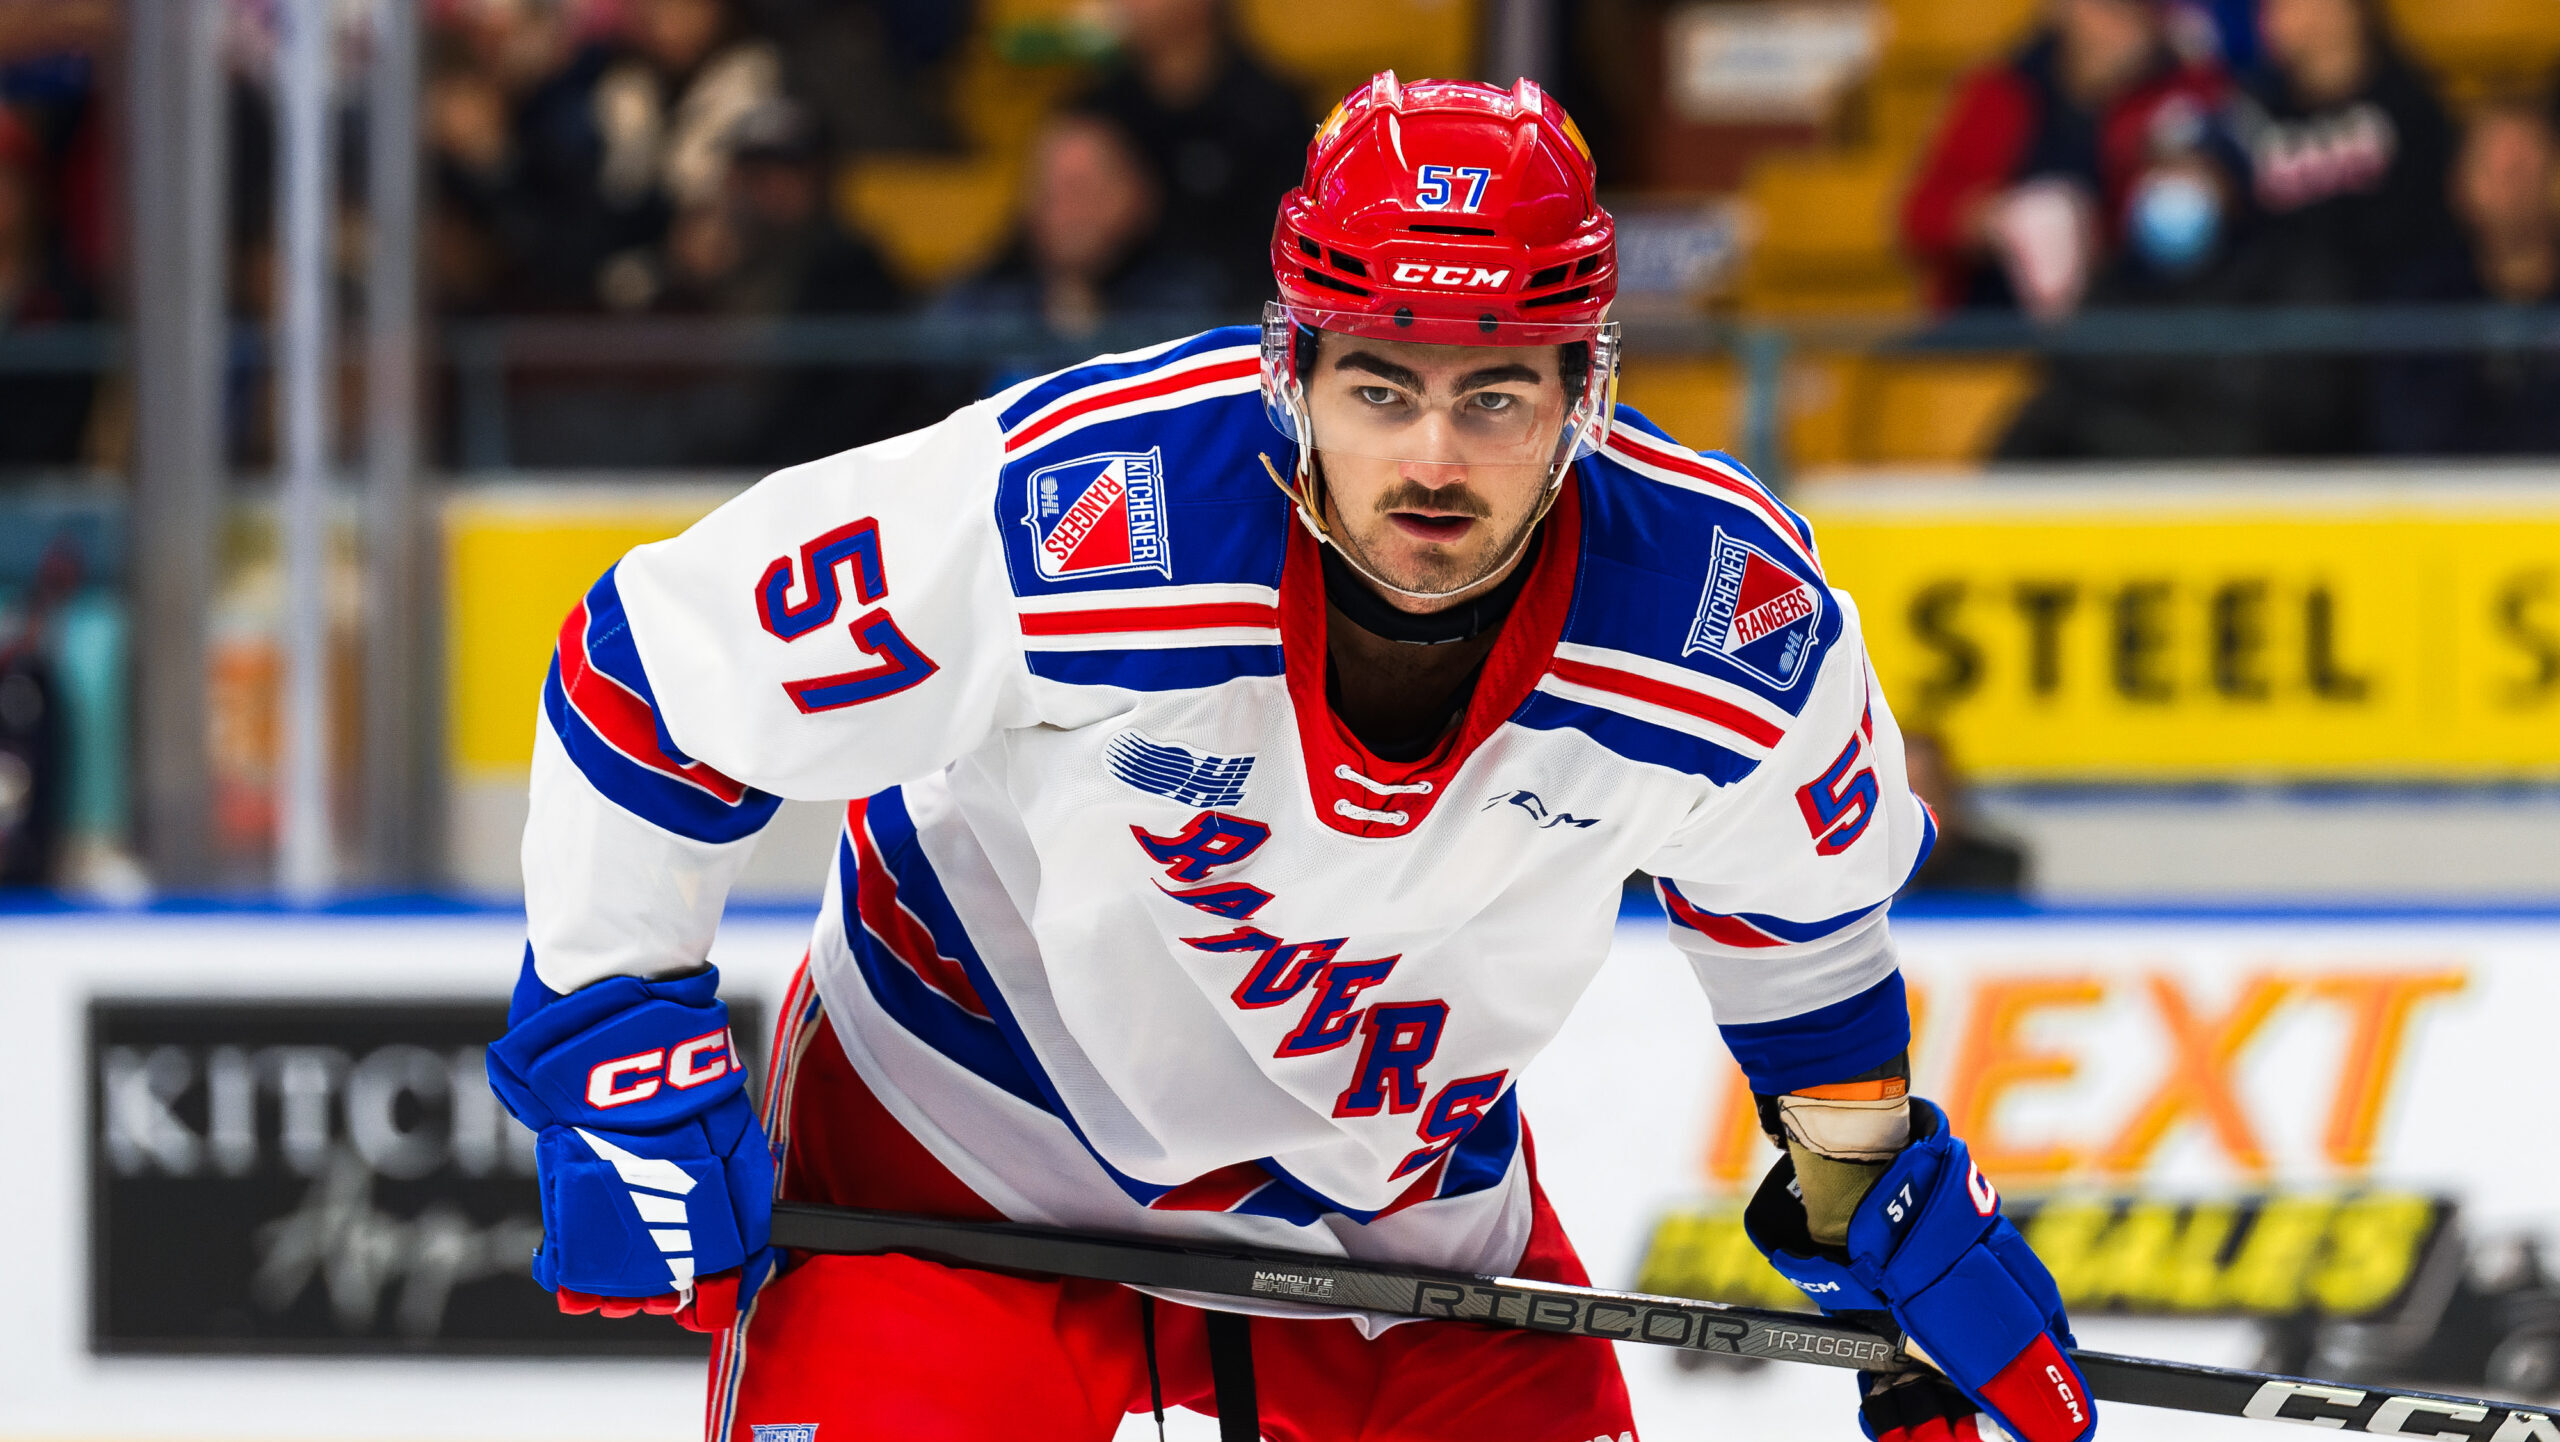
x,y
1676,465
1234,370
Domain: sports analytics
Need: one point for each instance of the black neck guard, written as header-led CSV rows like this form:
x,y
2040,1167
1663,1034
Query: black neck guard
x,y
1471,618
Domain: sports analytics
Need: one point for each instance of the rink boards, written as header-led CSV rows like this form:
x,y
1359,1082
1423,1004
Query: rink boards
x,y
2158,1081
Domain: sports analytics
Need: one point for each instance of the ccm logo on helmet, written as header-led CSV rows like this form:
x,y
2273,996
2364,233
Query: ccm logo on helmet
x,y
686,1064
1458,277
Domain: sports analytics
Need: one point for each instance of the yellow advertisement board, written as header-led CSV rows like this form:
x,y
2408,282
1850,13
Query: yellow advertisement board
x,y
2186,1118
2146,629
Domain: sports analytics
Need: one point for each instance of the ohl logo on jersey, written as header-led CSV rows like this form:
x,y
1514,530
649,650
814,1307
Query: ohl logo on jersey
x,y
1099,516
1756,613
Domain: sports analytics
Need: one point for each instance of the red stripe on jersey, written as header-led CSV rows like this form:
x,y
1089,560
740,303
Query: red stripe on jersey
x,y
1643,448
799,1012
1671,698
1425,1188
1723,930
884,916
625,721
1216,1191
1211,616
1032,431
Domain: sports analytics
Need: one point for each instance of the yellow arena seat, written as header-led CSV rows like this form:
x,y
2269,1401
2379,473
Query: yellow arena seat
x,y
1945,37
1697,399
1825,235
1330,46
1818,410
1838,409
1943,411
933,219
1903,112
2474,45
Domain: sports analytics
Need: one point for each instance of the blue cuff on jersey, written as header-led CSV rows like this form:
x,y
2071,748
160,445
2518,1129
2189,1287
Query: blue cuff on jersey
x,y
1827,1044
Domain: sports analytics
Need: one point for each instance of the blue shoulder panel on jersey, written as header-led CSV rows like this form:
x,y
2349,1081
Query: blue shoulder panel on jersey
x,y
1174,495
1827,1044
1060,384
597,699
1707,572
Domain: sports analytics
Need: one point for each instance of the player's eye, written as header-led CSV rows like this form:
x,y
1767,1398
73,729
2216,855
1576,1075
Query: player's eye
x,y
1495,402
1377,395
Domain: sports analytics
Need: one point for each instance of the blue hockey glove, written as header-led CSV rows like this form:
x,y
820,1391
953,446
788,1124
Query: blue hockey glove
x,y
657,1184
1928,1245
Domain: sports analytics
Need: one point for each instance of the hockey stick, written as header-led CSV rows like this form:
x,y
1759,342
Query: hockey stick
x,y
1619,1317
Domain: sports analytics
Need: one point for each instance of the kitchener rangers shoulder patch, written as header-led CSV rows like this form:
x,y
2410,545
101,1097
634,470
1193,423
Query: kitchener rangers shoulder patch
x,y
1756,614
1099,515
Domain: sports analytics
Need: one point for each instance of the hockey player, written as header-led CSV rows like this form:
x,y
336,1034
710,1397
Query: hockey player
x,y
1220,853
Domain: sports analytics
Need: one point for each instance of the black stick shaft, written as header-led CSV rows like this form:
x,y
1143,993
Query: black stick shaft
x,y
1290,1277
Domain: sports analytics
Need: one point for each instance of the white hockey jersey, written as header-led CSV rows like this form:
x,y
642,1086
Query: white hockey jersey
x,y
1125,926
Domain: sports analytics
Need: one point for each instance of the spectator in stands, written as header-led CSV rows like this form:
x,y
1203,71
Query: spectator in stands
x,y
2188,241
2501,402
1965,859
770,243
664,112
773,246
49,77
2027,178
43,417
1088,247
1225,137
871,70
467,114
513,219
2348,148
603,143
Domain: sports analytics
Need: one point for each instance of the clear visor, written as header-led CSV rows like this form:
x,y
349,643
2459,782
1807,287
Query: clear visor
x,y
1508,397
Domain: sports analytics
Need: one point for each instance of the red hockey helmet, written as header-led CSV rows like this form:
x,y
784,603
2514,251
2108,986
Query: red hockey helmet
x,y
1445,212
1448,212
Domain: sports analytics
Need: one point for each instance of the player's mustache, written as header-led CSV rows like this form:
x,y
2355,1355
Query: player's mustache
x,y
1447,500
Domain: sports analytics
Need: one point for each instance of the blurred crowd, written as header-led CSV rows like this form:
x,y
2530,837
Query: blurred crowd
x,y
687,157
53,226
2140,155
679,158
684,158
692,157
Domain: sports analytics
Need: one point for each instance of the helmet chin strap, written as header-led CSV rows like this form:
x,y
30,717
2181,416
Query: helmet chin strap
x,y
1311,516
